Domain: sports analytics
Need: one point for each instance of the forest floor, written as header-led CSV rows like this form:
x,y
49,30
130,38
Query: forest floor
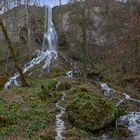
x,y
29,112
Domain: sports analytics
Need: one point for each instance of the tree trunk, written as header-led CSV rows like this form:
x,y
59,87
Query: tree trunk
x,y
28,27
21,75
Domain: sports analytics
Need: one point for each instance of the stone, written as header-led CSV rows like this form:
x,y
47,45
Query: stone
x,y
90,112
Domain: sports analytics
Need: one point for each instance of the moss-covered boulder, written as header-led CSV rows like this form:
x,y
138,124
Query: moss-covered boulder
x,y
90,112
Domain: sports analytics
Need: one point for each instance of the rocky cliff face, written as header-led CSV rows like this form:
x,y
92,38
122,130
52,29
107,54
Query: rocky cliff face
x,y
101,25
15,21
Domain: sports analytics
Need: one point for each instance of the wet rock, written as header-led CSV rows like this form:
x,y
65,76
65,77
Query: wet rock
x,y
123,123
120,132
37,53
131,123
106,89
138,121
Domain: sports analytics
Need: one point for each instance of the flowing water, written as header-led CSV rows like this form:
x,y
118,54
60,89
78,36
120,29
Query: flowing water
x,y
50,37
69,74
131,121
60,125
46,56
107,90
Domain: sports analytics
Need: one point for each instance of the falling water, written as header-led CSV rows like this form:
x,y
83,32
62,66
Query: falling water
x,y
46,56
50,36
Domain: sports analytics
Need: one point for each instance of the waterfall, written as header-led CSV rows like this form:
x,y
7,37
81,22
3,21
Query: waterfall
x,y
50,35
46,56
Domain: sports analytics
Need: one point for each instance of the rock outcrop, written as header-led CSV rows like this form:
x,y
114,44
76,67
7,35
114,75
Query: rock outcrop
x,y
90,112
15,21
99,23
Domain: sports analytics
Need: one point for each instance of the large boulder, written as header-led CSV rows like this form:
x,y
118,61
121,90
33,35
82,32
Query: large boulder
x,y
90,112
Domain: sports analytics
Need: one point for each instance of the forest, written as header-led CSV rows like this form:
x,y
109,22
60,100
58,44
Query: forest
x,y
69,69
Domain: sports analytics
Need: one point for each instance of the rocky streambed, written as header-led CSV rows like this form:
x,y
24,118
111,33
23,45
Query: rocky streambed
x,y
82,104
60,124
130,121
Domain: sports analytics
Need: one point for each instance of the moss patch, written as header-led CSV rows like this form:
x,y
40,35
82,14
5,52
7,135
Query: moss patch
x,y
23,113
120,132
90,112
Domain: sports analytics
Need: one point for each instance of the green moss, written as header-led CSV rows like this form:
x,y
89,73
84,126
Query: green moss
x,y
46,89
120,132
35,125
28,114
6,131
90,112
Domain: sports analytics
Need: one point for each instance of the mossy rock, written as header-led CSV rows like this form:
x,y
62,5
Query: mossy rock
x,y
90,112
120,132
61,86
47,89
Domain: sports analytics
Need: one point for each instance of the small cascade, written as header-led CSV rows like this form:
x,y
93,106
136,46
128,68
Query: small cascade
x,y
127,97
131,121
60,125
69,74
12,81
107,90
46,56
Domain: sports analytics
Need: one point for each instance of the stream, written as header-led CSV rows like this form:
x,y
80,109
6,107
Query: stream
x,y
60,124
130,121
46,56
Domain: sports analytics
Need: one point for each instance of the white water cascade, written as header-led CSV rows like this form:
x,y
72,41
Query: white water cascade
x,y
131,121
60,125
107,90
46,56
50,36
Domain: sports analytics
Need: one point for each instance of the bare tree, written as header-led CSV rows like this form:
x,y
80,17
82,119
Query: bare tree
x,y
2,3
26,2
17,65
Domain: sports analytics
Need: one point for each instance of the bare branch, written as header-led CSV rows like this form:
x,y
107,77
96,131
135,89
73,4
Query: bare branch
x,y
2,3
